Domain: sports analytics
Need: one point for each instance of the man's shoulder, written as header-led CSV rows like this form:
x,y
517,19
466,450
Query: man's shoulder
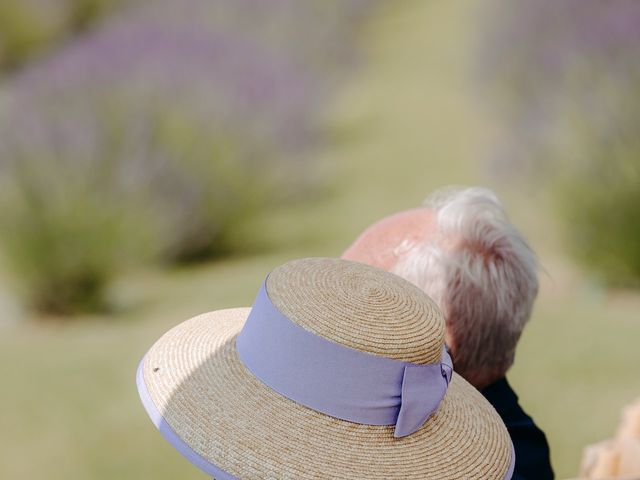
x,y
505,401
529,441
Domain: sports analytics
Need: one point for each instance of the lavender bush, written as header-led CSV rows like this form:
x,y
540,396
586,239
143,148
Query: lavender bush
x,y
157,133
565,79
316,37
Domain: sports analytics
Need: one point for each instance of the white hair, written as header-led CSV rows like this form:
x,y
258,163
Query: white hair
x,y
480,271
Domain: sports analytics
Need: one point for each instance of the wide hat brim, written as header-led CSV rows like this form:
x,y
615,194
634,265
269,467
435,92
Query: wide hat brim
x,y
223,419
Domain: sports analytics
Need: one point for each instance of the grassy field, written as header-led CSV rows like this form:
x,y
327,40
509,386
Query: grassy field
x,y
407,122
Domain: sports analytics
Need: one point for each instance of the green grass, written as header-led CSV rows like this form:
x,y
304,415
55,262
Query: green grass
x,y
406,123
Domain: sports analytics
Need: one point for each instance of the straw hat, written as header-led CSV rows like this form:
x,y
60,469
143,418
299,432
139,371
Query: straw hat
x,y
225,420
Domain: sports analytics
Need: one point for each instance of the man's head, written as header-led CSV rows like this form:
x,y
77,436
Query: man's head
x,y
461,249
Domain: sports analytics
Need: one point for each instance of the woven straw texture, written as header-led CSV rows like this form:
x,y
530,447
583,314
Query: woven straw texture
x,y
362,308
225,414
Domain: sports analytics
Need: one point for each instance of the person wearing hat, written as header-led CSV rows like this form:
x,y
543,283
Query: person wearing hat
x,y
462,250
338,371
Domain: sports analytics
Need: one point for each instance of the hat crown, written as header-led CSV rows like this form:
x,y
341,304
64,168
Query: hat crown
x,y
360,307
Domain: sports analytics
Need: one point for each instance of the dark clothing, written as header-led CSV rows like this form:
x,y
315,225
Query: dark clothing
x,y
529,442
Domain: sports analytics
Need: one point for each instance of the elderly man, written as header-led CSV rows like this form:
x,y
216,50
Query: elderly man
x,y
461,249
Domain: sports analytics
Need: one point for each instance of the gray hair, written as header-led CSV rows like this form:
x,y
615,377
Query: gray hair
x,y
480,271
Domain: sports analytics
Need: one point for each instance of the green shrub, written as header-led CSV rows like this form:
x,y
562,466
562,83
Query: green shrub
x,y
64,239
571,114
29,27
70,223
599,203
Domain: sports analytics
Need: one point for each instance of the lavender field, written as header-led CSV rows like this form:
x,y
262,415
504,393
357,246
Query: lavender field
x,y
159,161
154,135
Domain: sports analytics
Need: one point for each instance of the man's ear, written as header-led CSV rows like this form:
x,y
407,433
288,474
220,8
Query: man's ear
x,y
451,347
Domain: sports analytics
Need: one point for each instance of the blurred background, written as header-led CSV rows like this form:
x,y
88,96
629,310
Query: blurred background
x,y
158,158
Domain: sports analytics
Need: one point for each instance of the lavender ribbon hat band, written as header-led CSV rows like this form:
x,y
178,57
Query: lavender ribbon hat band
x,y
337,380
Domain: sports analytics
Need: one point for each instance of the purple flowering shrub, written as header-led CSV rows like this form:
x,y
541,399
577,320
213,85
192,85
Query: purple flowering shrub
x,y
314,36
564,78
156,134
